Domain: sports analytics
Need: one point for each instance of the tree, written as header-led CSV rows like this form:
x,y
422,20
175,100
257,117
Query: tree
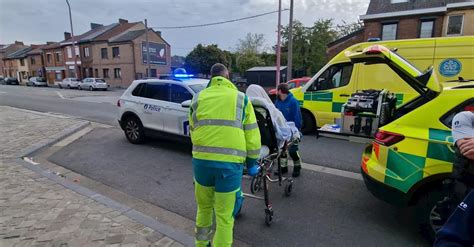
x,y
201,59
309,45
348,28
252,43
247,61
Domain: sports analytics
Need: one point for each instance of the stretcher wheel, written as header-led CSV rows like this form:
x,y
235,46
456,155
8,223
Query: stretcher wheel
x,y
288,189
268,218
256,184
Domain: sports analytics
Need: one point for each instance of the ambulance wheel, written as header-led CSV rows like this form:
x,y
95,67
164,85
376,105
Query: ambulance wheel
x,y
288,189
134,130
268,218
428,213
309,123
256,184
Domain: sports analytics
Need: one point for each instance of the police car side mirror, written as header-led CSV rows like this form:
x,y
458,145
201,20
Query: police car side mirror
x,y
186,104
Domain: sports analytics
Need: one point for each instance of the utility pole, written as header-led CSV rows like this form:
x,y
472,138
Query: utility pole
x,y
290,45
278,51
147,49
73,42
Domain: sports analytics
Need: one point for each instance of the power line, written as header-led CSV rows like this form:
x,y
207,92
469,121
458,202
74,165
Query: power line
x,y
220,22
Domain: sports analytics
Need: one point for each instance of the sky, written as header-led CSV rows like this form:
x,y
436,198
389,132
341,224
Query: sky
x,y
38,21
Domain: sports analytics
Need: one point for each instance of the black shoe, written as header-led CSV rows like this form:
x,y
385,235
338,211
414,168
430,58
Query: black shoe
x,y
284,170
296,171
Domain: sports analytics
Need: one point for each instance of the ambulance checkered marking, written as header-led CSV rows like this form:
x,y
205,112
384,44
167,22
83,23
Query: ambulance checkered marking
x,y
399,97
324,101
403,170
440,151
318,96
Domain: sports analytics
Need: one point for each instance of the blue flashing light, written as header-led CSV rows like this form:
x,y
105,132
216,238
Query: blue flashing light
x,y
183,75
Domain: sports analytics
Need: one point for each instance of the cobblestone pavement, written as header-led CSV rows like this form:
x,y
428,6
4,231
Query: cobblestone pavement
x,y
36,211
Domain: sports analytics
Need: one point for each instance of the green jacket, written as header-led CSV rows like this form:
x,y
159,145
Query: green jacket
x,y
223,125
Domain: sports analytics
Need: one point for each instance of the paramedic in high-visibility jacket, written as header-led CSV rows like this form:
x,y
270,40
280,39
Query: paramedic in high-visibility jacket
x,y
225,137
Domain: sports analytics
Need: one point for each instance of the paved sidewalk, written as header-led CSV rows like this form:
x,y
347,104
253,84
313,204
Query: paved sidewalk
x,y
37,211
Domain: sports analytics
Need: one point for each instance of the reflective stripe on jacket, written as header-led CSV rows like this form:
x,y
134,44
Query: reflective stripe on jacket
x,y
223,124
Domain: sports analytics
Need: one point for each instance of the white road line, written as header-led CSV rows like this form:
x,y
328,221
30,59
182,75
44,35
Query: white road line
x,y
60,95
327,170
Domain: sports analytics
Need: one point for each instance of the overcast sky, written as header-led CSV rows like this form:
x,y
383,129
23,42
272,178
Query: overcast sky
x,y
38,21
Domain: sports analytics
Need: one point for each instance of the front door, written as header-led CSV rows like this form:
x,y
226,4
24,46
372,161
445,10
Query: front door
x,y
152,105
175,116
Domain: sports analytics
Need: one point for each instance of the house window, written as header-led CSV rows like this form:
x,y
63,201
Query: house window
x,y
86,52
48,57
69,52
96,72
117,73
426,28
32,60
22,62
103,53
455,25
115,52
77,51
106,73
389,31
57,57
398,1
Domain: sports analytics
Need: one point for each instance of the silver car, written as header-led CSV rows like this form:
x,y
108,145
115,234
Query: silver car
x,y
93,84
37,82
70,82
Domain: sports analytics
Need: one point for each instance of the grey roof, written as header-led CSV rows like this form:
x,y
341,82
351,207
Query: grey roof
x,y
128,36
385,6
20,53
266,68
98,31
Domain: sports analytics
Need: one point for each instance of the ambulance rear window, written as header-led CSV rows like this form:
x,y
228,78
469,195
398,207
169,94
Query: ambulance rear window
x,y
447,119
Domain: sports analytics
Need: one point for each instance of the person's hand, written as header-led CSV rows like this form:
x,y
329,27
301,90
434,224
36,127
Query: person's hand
x,y
253,170
466,146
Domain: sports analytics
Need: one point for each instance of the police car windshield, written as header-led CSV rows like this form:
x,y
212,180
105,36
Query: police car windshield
x,y
197,87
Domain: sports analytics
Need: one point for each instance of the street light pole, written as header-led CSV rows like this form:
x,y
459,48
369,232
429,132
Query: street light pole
x,y
278,51
73,42
147,49
290,45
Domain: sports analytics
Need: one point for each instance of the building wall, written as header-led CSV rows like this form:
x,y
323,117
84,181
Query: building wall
x,y
408,27
468,26
11,67
141,68
23,70
69,60
53,76
37,68
125,63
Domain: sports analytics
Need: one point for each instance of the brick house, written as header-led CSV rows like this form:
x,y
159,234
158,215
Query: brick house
x,y
410,19
16,64
53,57
6,50
35,61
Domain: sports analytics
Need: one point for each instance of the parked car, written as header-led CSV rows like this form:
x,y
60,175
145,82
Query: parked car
x,y
37,82
2,80
93,84
11,81
69,83
295,83
157,106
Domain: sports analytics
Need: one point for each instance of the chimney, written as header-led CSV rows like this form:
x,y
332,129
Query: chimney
x,y
67,35
95,25
122,21
19,42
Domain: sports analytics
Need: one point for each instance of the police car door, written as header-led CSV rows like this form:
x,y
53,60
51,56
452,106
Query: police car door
x,y
152,105
176,116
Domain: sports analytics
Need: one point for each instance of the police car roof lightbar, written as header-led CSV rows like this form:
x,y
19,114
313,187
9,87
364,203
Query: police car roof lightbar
x,y
183,75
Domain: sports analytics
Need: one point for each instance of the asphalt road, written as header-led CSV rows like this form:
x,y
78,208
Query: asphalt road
x,y
325,210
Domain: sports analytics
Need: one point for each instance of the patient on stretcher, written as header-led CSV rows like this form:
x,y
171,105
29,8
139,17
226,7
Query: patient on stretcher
x,y
284,131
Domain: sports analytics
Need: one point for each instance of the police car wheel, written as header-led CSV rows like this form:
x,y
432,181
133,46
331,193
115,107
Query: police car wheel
x,y
134,130
429,215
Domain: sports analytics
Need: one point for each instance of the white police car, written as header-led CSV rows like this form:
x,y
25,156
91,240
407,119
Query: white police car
x,y
154,106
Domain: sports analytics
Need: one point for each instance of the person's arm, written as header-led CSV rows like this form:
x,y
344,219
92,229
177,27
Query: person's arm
x,y
297,113
252,134
191,111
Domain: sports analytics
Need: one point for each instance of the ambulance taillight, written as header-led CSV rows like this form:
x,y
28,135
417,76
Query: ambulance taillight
x,y
388,138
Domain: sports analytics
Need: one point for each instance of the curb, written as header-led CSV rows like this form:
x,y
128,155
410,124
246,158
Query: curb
x,y
139,217
65,133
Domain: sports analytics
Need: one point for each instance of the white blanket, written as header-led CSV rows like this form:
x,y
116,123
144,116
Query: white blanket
x,y
285,131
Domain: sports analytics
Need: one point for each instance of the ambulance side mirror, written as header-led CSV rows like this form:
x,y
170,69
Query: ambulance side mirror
x,y
186,104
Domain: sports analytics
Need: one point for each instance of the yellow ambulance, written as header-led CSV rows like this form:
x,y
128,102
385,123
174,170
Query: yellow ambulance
x,y
322,97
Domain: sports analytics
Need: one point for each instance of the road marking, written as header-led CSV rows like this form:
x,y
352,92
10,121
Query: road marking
x,y
60,95
68,140
327,170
